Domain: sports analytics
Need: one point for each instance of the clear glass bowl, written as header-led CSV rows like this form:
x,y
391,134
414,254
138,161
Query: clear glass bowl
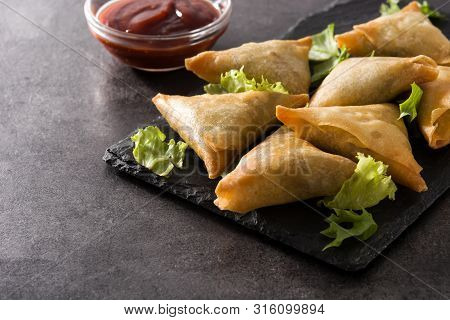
x,y
156,53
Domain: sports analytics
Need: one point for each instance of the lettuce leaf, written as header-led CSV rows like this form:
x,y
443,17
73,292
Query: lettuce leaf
x,y
235,81
324,45
409,107
363,227
151,151
428,11
390,7
214,88
322,69
365,188
325,55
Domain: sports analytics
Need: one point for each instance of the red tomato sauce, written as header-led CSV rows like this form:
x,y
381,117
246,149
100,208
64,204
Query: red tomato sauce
x,y
158,17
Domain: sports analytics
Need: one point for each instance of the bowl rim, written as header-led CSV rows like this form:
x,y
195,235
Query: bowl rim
x,y
209,28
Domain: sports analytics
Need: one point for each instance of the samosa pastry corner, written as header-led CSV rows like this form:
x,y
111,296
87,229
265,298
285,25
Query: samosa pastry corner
x,y
434,110
220,127
373,129
282,169
364,81
284,61
407,33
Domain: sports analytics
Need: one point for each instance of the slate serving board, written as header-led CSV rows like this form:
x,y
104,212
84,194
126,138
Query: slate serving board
x,y
298,225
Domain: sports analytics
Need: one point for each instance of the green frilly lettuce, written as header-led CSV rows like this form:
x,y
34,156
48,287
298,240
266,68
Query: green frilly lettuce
x,y
367,187
363,227
322,69
325,54
235,81
151,151
428,11
390,7
324,45
409,107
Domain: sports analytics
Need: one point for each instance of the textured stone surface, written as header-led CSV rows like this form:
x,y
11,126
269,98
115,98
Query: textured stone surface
x,y
71,228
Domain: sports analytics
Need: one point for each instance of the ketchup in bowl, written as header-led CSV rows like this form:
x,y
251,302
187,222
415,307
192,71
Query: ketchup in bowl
x,y
157,35
158,17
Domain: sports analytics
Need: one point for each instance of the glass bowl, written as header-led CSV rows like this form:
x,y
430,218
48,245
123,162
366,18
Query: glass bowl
x,y
155,52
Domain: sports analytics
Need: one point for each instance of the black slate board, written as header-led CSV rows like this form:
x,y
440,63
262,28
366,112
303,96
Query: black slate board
x,y
297,225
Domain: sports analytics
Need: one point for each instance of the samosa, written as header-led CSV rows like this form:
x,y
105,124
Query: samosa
x,y
220,127
407,33
434,110
363,81
282,169
284,61
375,130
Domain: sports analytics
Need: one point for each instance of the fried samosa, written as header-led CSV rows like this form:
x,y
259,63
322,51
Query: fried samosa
x,y
282,169
407,33
434,110
284,61
363,81
373,129
220,127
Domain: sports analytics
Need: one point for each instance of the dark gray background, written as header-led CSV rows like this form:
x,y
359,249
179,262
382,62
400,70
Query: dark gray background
x,y
70,228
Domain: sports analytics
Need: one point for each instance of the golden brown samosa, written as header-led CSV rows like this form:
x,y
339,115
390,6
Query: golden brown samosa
x,y
407,33
220,127
282,169
284,61
373,129
434,110
363,81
